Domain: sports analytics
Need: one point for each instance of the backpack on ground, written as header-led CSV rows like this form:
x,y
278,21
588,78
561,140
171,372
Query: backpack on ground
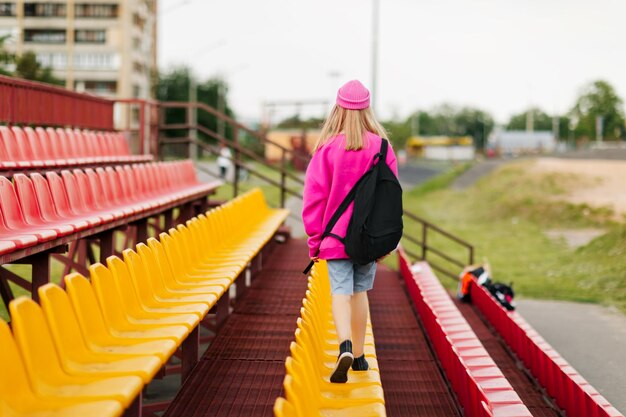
x,y
375,227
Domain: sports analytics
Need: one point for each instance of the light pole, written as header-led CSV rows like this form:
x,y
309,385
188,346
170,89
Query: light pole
x,y
375,12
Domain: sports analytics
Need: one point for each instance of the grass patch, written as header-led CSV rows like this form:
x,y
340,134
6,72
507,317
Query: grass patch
x,y
440,181
505,215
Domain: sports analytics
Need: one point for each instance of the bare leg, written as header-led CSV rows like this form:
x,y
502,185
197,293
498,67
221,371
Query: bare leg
x,y
360,308
341,316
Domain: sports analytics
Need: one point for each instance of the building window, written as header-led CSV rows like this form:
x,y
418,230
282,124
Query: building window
x,y
101,87
138,67
139,21
55,60
45,10
100,61
90,36
107,11
8,9
44,36
136,91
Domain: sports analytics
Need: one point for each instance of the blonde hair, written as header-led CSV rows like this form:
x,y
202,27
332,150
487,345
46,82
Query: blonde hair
x,y
353,123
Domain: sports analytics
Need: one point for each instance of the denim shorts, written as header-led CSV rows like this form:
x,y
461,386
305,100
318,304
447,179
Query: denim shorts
x,y
347,278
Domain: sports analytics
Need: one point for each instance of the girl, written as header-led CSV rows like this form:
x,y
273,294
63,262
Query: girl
x,y
350,139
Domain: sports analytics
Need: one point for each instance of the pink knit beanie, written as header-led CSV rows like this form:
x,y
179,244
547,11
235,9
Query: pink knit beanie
x,y
353,96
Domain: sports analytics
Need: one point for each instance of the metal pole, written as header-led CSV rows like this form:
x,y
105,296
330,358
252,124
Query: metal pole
x,y
375,12
221,104
192,113
283,180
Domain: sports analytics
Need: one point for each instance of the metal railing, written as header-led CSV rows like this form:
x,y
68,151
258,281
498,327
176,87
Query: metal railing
x,y
437,258
424,244
239,150
30,102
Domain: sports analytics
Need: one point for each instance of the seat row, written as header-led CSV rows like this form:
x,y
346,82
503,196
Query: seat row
x,y
41,148
481,388
90,349
562,382
38,208
307,385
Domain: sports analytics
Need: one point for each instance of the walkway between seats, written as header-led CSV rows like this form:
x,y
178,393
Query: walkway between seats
x,y
241,373
411,379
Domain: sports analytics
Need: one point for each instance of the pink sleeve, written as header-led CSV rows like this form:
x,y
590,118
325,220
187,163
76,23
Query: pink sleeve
x,y
314,203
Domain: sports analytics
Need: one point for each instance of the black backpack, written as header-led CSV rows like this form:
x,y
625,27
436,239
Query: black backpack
x,y
375,227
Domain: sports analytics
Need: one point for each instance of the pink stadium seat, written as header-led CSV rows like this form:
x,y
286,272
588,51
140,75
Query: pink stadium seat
x,y
13,152
110,192
80,204
79,147
62,204
100,196
6,246
16,240
30,206
5,161
37,147
51,151
89,194
13,216
25,150
46,204
121,192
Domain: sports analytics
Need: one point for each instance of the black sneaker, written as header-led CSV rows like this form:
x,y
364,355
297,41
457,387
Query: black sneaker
x,y
344,362
360,364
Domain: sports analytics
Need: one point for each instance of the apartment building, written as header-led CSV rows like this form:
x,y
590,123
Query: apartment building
x,y
106,47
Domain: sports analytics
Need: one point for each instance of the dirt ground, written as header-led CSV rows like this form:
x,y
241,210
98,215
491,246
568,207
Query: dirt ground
x,y
602,182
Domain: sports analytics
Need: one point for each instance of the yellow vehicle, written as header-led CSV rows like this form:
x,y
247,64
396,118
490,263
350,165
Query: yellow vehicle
x,y
415,145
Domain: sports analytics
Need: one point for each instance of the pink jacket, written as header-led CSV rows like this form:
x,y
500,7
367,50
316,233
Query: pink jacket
x,y
331,174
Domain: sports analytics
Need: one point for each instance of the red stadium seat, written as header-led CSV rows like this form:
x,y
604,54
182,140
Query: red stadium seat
x,y
24,148
46,204
79,199
51,151
37,147
12,149
30,206
13,216
62,204
5,160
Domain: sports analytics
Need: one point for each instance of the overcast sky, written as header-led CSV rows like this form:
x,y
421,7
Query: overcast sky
x,y
499,55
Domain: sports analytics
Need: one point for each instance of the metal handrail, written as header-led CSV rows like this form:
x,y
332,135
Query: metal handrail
x,y
427,249
229,120
428,253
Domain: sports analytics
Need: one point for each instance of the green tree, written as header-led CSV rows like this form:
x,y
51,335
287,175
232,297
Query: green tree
x,y
541,120
174,86
450,120
6,58
294,122
599,99
27,67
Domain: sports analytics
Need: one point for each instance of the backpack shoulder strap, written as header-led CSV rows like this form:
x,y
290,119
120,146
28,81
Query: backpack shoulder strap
x,y
384,144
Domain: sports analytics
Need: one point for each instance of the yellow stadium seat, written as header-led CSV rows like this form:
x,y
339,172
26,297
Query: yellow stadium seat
x,y
98,334
44,370
58,310
171,285
76,357
106,288
308,404
170,271
18,400
122,276
140,273
81,292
